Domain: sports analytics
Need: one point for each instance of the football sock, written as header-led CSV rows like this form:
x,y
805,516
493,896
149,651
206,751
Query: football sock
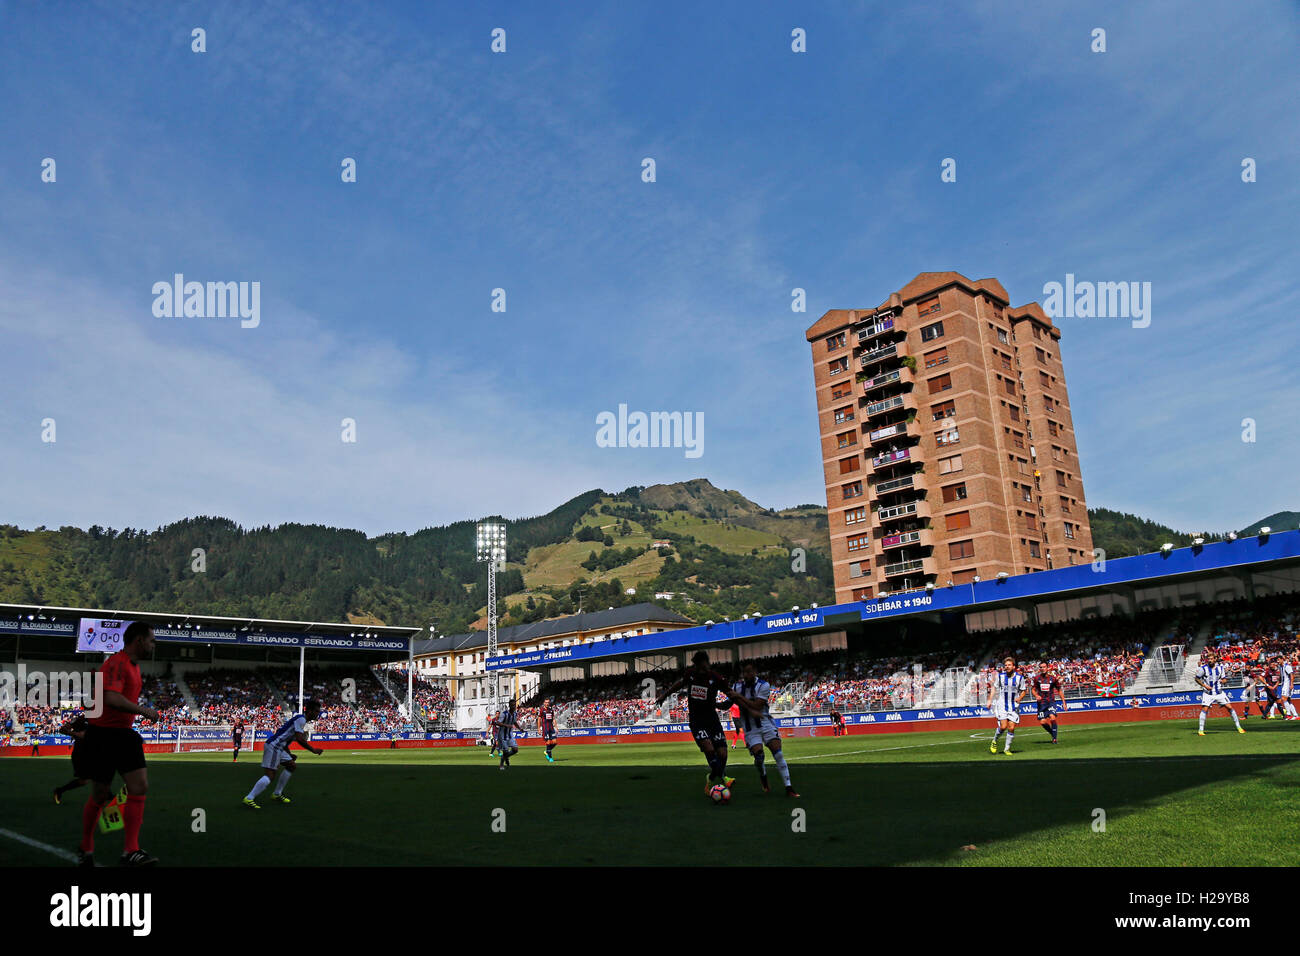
x,y
1053,730
282,782
262,783
1234,716
758,765
997,734
1202,724
1010,734
132,817
89,820
779,757
550,747
1290,708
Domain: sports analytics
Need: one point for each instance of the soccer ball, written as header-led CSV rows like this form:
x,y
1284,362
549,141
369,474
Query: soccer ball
x,y
719,793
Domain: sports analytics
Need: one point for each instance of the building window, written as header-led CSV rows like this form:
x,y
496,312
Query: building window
x,y
931,332
1031,522
1009,386
842,390
961,550
848,465
957,520
1014,411
836,341
1002,336
855,570
854,515
1033,550
928,307
846,439
950,437
1060,480
955,492
943,410
862,594
851,490
859,541
948,465
940,383
844,414
839,365
936,358
1051,428
963,577
1069,531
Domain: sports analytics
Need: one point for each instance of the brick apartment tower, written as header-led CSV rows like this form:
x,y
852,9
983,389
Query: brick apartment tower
x,y
947,440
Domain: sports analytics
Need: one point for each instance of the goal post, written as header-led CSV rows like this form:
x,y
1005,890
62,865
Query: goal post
x,y
213,738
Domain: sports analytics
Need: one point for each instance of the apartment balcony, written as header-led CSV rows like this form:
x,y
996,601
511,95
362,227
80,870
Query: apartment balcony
x,y
891,458
907,511
894,432
877,355
914,566
913,482
919,537
906,483
880,325
897,376
883,407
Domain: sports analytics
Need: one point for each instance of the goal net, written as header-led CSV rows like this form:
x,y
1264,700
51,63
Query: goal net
x,y
195,738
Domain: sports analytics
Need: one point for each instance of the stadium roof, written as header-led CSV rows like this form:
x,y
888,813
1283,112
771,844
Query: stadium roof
x,y
644,613
1243,557
184,627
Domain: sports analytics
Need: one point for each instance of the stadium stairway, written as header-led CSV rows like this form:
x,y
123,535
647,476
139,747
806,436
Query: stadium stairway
x,y
178,675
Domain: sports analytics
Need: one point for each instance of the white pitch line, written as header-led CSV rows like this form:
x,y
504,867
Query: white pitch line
x,y
62,854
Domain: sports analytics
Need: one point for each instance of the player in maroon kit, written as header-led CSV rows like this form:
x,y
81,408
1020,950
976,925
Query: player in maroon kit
x,y
113,747
1046,689
837,723
237,738
546,724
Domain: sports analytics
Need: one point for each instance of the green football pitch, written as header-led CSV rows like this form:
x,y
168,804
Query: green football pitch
x,y
1135,794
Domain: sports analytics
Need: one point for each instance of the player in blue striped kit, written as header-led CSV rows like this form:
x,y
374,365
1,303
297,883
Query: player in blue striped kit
x,y
1009,689
1210,675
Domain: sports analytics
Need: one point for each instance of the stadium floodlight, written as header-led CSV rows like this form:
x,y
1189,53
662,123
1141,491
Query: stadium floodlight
x,y
490,549
976,578
929,585
814,606
1232,536
708,623
1198,541
1166,547
795,608
1264,531
1002,575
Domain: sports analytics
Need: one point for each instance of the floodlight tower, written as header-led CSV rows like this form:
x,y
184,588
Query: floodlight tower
x,y
491,549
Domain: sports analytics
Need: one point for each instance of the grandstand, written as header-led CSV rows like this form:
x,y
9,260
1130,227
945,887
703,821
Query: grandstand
x,y
1135,628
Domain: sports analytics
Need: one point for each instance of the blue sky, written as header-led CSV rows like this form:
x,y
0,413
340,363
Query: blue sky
x,y
522,171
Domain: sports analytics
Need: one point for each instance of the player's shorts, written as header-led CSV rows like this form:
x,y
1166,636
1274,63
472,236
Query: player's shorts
x,y
1285,689
1252,695
238,739
1046,710
508,742
273,757
548,734
1207,699
706,733
765,732
109,751
1001,713
81,768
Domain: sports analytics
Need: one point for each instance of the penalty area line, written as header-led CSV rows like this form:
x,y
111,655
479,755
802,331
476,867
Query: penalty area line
x,y
62,854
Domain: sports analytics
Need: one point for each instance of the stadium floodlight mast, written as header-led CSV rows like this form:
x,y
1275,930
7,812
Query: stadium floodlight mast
x,y
490,548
